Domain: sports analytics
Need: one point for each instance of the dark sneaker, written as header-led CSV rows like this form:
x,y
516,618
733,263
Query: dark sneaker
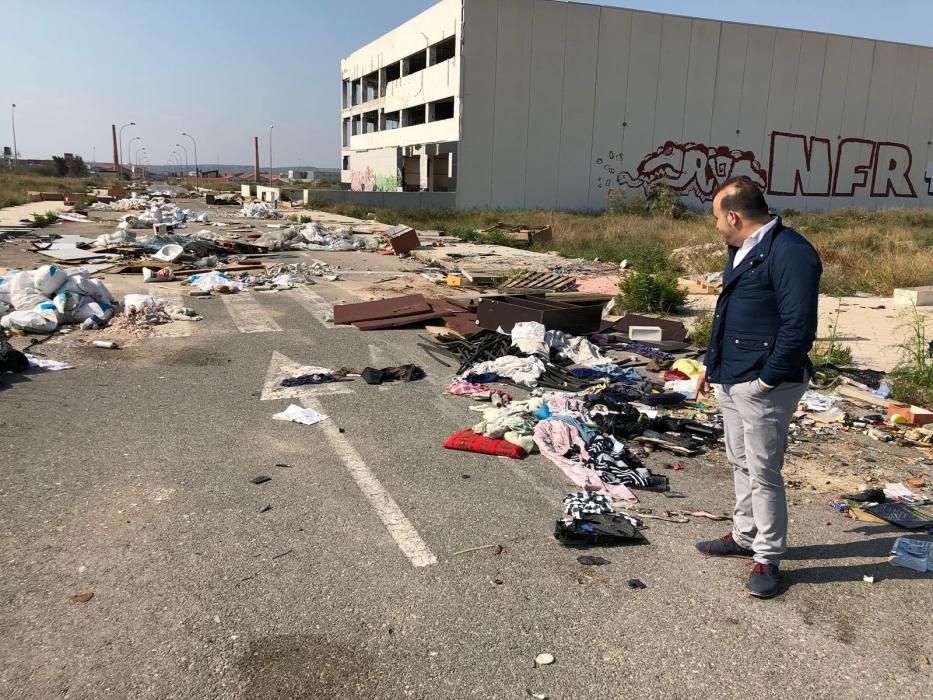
x,y
763,581
725,546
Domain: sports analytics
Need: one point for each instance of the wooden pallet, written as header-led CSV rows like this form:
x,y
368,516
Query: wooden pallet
x,y
539,280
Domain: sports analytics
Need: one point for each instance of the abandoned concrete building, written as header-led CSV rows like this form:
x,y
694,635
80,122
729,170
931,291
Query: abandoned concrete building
x,y
544,104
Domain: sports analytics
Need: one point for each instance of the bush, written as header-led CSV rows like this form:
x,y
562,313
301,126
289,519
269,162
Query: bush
x,y
702,330
619,204
649,258
656,293
663,201
913,378
43,220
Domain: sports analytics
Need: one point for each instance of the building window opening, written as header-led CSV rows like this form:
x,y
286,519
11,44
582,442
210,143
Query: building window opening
x,y
414,63
393,72
391,120
370,122
443,51
346,162
347,94
413,116
442,109
370,87
346,133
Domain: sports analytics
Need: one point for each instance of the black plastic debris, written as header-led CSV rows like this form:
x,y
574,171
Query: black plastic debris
x,y
261,479
599,529
589,560
266,508
636,584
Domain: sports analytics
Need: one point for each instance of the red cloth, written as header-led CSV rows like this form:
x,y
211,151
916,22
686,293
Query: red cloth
x,y
468,441
674,375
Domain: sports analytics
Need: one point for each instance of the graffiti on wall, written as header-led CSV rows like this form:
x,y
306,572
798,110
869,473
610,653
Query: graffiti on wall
x,y
367,181
802,165
798,165
687,168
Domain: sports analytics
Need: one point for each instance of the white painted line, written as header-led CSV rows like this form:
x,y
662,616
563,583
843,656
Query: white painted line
x,y
320,308
281,366
248,315
387,510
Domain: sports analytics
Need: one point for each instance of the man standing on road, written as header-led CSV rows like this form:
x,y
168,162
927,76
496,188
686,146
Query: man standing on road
x,y
764,325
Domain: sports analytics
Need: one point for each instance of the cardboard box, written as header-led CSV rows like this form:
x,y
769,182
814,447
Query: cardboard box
x,y
915,415
403,239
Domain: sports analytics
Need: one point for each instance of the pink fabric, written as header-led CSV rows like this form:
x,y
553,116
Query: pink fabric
x,y
554,438
461,387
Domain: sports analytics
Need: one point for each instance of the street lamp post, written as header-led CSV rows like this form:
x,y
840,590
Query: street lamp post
x,y
142,149
120,154
271,126
13,122
197,174
187,184
129,150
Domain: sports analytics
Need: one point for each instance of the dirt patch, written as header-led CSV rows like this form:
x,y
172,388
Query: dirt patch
x,y
194,357
300,666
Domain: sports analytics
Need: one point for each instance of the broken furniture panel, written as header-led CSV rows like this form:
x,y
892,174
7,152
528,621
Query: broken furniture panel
x,y
505,312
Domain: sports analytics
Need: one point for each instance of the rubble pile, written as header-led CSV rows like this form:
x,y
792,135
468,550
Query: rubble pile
x,y
41,300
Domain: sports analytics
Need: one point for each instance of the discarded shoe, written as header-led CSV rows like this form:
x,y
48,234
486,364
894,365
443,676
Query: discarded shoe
x,y
763,581
725,546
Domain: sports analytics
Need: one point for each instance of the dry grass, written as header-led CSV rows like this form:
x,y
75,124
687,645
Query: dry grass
x,y
14,184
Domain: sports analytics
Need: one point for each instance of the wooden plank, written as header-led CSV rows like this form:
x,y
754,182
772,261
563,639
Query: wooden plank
x,y
394,307
398,321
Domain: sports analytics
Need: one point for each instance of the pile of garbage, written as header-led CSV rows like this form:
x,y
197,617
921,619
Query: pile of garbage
x,y
311,236
41,300
260,210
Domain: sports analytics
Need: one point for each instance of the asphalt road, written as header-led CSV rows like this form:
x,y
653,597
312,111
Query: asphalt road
x,y
129,476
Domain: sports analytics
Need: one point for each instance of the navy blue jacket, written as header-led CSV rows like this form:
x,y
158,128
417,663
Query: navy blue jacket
x,y
766,317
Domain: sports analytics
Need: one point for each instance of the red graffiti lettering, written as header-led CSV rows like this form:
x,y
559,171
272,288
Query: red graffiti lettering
x,y
692,168
892,171
808,170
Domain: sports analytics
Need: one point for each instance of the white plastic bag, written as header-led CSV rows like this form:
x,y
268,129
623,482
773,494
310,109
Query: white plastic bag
x,y
48,278
66,302
36,320
93,309
139,302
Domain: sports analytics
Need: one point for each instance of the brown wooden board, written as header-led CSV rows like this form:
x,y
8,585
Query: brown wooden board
x,y
398,321
464,324
394,307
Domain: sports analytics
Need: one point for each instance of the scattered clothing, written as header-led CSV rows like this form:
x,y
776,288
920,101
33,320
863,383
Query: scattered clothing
x,y
615,463
556,438
521,370
468,441
404,373
297,414
576,504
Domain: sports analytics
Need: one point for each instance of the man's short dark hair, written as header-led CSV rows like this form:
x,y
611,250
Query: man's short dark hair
x,y
744,198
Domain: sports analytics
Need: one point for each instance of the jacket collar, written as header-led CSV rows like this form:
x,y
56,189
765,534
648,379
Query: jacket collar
x,y
754,257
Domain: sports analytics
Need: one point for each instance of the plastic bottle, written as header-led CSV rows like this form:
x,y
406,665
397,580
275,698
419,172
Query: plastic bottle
x,y
109,344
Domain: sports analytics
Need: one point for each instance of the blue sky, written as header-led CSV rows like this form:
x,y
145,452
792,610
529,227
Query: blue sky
x,y
224,70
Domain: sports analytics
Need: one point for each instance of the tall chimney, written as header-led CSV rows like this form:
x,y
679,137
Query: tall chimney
x,y
256,159
116,157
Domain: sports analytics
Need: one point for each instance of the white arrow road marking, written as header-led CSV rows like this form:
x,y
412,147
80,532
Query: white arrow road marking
x,y
319,307
281,366
248,315
387,510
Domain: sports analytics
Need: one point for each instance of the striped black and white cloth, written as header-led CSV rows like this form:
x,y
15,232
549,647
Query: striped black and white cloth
x,y
583,503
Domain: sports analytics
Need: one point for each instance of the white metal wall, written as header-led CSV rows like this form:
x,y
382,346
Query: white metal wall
x,y
564,102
